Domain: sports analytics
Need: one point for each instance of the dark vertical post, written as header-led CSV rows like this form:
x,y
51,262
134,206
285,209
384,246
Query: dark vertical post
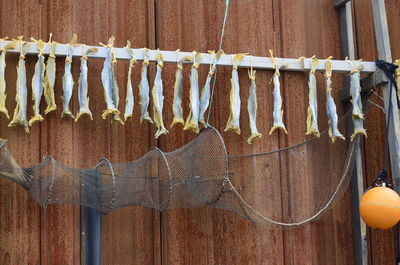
x,y
357,183
92,224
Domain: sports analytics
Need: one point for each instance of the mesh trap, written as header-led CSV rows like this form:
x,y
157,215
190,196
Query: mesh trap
x,y
279,189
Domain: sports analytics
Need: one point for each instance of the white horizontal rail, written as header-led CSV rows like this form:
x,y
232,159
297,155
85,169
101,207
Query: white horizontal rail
x,y
338,66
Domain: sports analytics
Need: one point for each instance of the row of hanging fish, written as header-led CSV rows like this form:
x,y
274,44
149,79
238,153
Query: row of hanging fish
x,y
44,79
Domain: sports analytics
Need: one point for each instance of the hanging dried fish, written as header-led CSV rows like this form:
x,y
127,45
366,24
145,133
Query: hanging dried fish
x,y
111,91
397,76
312,111
177,104
192,121
278,112
3,94
355,91
205,92
83,85
129,93
21,97
252,105
37,83
158,98
144,89
49,79
68,81
234,115
330,105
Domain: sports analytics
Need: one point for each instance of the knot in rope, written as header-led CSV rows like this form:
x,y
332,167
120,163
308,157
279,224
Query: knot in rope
x,y
388,68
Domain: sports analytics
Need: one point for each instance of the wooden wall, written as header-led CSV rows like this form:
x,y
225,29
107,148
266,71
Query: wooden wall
x,y
32,235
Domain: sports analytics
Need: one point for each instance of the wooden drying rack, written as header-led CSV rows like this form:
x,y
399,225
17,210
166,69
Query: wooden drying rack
x,y
258,62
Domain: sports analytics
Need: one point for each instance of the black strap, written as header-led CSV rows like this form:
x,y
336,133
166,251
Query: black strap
x,y
389,69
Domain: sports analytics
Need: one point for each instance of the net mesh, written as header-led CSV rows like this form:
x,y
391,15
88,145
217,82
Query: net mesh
x,y
278,189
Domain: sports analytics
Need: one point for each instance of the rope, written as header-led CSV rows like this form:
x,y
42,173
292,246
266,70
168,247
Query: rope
x,y
317,214
216,70
389,69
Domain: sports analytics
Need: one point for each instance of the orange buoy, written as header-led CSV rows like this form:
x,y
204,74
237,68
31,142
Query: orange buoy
x,y
380,208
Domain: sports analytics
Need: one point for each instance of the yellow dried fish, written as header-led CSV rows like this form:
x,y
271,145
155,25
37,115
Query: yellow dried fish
x,y
205,92
312,111
144,89
278,112
397,76
158,98
330,105
234,115
3,94
252,105
68,81
49,79
83,85
129,93
21,97
192,121
37,83
177,104
111,91
355,91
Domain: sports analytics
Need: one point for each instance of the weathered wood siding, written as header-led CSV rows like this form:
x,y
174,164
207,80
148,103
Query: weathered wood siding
x,y
31,235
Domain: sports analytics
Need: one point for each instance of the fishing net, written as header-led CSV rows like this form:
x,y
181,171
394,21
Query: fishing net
x,y
278,189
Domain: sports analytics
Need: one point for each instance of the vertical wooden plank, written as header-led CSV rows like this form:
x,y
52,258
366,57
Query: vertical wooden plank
x,y
128,233
295,42
19,213
60,223
389,95
382,244
125,232
357,182
204,236
330,232
305,32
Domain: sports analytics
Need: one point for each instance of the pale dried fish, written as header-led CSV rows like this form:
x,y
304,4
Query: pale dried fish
x,y
3,94
278,112
177,103
330,105
68,81
37,83
144,89
49,80
129,103
83,85
312,111
21,97
205,92
110,85
234,115
158,98
355,91
252,106
192,121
